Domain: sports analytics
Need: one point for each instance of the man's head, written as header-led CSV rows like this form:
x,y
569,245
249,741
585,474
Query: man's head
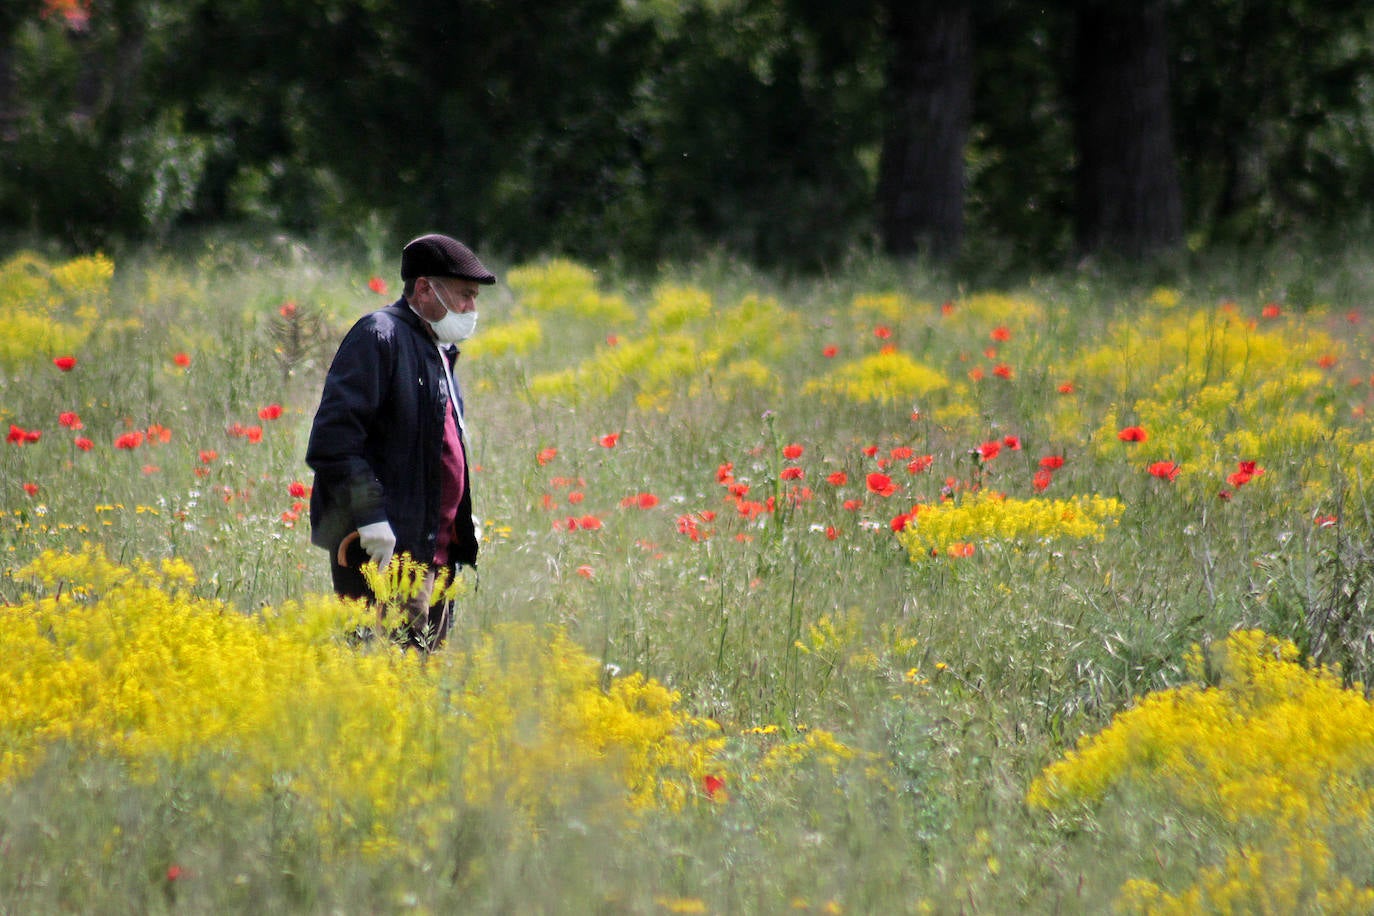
x,y
436,255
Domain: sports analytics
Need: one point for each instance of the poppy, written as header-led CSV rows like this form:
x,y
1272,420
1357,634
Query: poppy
x,y
1052,462
988,450
882,332
609,440
69,420
881,484
792,474
31,489
1326,361
1132,434
584,571
576,497
1002,371
920,464
298,490
182,360
1012,442
65,363
837,479
1041,480
377,285
792,452
830,352
84,444
725,474
208,455
714,786
870,450
1001,334
1271,310
1065,388
270,412
646,500
976,374
129,440
159,433
1324,521
852,505
546,455
589,523
288,309
1164,470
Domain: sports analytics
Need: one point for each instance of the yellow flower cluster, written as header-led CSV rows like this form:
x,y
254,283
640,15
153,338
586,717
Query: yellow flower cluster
x,y
517,337
47,310
988,516
1278,756
126,661
886,377
565,288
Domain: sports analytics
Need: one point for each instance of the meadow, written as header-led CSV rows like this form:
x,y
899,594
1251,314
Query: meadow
x,y
865,593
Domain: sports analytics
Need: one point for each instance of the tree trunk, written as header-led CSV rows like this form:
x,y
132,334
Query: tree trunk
x,y
929,98
1129,201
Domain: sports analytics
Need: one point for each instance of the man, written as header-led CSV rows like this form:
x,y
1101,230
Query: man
x,y
389,446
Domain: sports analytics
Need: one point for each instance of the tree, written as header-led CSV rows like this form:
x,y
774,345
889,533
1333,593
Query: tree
x,y
1128,201
927,106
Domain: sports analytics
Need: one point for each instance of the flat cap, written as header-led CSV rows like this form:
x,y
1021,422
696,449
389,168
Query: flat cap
x,y
436,255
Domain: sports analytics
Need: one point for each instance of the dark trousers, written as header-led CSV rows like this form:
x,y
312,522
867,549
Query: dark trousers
x,y
425,626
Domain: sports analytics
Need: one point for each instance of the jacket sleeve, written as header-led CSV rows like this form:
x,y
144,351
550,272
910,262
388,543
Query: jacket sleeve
x,y
341,438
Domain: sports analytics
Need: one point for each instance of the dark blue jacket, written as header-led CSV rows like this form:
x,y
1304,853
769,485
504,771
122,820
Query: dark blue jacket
x,y
377,442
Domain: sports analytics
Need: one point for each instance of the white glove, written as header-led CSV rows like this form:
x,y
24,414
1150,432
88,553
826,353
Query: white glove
x,y
379,541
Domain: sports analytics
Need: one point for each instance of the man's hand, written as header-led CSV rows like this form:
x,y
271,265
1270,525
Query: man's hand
x,y
379,541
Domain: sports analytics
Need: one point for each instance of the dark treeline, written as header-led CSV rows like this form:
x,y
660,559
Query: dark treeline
x,y
785,131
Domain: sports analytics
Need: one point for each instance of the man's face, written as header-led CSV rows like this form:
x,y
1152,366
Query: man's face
x,y
435,295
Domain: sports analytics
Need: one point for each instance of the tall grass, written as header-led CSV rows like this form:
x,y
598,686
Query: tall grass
x,y
748,634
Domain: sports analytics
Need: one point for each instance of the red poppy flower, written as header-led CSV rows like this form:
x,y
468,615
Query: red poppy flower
x,y
1002,371
714,786
254,434
725,474
584,571
589,523
1012,442
793,473
174,872
976,374
1164,470
739,490
208,455
31,489
1132,434
1324,521
792,452
1041,480
837,479
575,497
298,490
69,420
1052,462
1326,360
129,440
852,505
639,501
960,550
65,363
1065,388
881,484
609,440
612,340
546,455
159,434
1001,334
830,352
84,444
288,309
1271,310
899,522
270,412
377,285
150,469
16,435
870,450
882,332
182,360
988,450
920,464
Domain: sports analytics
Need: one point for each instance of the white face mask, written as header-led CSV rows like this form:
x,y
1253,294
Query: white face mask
x,y
454,327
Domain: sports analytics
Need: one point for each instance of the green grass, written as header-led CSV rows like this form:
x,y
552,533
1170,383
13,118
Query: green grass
x,y
950,683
